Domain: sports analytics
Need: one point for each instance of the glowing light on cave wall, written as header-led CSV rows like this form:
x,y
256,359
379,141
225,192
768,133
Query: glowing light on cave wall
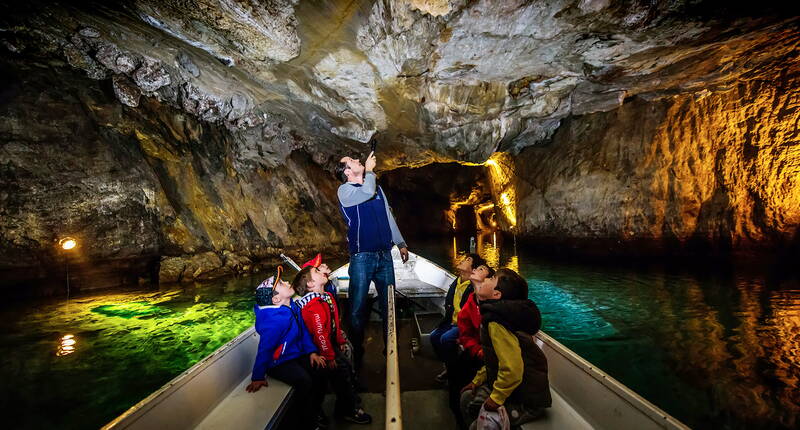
x,y
501,175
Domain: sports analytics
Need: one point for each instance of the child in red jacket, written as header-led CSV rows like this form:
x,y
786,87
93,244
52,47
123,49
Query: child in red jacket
x,y
469,318
321,316
470,357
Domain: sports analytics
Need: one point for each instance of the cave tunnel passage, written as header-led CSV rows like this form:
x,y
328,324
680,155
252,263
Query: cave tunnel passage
x,y
439,199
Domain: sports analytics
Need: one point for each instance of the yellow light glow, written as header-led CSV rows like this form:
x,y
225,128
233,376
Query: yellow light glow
x,y
455,251
484,207
501,180
67,243
67,345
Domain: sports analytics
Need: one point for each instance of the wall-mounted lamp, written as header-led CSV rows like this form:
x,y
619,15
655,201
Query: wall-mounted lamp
x,y
67,244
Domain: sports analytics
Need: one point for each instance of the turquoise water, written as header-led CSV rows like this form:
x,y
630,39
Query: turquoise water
x,y
716,348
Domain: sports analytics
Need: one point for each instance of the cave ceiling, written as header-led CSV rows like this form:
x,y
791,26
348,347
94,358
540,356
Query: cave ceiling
x,y
433,80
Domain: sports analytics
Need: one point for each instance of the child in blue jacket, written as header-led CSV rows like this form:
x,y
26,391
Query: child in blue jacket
x,y
287,353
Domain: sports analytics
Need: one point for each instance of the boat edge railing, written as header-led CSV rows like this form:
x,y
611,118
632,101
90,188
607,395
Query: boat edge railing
x,y
134,412
656,414
394,413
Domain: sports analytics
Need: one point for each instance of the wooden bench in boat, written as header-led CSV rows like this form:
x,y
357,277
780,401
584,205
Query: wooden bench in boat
x,y
211,395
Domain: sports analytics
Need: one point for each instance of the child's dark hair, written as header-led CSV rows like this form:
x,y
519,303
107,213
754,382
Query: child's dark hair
x,y
511,285
489,271
301,280
477,260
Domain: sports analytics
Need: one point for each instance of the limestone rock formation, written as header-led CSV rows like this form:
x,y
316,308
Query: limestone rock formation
x,y
146,184
162,131
719,171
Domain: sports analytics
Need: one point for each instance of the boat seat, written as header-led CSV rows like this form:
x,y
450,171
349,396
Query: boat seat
x,y
250,411
559,416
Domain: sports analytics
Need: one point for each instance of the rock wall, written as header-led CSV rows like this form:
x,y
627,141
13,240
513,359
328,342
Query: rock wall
x,y
146,189
710,171
191,139
436,81
425,200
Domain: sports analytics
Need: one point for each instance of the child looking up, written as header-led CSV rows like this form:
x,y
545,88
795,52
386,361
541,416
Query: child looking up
x,y
286,353
514,374
317,262
445,337
470,356
321,315
469,318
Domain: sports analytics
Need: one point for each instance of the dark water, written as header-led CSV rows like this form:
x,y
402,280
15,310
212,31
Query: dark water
x,y
715,348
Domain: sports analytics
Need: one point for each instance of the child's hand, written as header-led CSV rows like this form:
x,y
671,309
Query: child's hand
x,y
324,269
490,405
316,360
332,364
256,385
469,387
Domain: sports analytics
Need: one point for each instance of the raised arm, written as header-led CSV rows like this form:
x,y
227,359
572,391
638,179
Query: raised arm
x,y
351,195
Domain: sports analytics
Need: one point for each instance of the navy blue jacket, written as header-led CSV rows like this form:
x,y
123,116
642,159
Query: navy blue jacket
x,y
283,337
370,223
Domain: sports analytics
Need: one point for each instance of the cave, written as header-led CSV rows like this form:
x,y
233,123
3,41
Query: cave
x,y
185,146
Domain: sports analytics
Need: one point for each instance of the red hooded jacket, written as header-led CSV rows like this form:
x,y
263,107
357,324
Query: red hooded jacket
x,y
469,323
321,315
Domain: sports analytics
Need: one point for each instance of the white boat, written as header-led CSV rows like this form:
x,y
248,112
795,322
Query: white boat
x,y
211,394
417,277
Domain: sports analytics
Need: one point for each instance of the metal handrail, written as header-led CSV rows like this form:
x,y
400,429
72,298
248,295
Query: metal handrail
x,y
394,413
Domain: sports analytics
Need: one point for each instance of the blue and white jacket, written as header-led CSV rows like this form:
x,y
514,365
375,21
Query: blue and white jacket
x,y
370,223
283,337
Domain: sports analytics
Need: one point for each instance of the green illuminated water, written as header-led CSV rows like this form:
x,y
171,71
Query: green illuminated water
x,y
717,349
126,345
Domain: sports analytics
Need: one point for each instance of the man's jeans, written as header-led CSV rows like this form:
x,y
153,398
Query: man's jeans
x,y
365,267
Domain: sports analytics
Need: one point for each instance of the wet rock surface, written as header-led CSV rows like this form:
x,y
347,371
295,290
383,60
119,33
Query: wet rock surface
x,y
164,131
713,174
146,188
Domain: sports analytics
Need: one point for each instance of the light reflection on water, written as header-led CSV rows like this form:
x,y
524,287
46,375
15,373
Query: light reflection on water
x,y
716,349
118,348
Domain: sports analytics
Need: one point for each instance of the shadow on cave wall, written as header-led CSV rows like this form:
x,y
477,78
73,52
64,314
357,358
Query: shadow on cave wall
x,y
424,200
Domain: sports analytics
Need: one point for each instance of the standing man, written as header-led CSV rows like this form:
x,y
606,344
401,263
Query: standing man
x,y
371,233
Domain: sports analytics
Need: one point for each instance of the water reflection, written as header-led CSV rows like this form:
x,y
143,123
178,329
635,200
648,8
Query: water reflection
x,y
715,348
488,246
66,345
117,346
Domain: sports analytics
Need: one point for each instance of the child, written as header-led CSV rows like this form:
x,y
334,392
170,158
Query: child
x,y
286,352
514,374
445,337
470,357
321,315
317,262
469,318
